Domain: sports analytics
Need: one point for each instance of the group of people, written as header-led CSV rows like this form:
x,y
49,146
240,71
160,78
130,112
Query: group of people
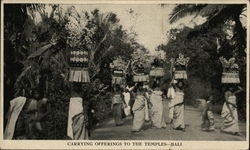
x,y
142,103
148,105
26,117
160,108
229,113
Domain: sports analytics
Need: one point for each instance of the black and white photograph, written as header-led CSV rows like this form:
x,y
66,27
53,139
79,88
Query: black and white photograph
x,y
124,71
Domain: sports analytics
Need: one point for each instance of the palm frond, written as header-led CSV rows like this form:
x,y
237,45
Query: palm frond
x,y
40,51
32,9
218,14
27,69
210,10
181,11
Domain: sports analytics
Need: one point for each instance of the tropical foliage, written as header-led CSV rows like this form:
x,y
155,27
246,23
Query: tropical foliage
x,y
221,34
38,51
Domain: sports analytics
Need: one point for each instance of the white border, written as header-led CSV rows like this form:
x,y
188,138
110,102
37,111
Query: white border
x,y
62,144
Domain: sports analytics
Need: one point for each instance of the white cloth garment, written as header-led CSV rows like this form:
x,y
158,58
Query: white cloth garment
x,y
16,106
171,93
179,98
157,109
127,99
75,108
171,96
146,111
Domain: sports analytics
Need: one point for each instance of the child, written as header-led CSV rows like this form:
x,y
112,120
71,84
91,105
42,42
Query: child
x,y
207,116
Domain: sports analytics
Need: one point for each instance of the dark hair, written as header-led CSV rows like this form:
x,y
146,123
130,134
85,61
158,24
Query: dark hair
x,y
156,82
229,87
137,88
117,87
36,91
155,85
140,84
209,97
77,87
178,84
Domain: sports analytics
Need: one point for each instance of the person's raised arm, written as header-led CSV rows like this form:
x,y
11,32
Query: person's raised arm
x,y
239,90
130,89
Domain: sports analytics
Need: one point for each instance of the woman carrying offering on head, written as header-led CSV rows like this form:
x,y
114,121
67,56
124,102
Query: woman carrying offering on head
x,y
139,108
229,112
117,105
178,112
170,98
157,117
77,118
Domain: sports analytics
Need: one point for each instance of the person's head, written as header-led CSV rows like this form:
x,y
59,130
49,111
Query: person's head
x,y
36,93
139,87
231,87
117,88
210,98
181,55
126,90
77,88
180,84
156,84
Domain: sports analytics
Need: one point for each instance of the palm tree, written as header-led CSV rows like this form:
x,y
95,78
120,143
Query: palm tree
x,y
215,14
105,25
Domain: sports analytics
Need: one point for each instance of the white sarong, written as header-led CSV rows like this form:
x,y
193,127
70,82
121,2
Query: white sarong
x,y
157,109
75,108
16,106
127,99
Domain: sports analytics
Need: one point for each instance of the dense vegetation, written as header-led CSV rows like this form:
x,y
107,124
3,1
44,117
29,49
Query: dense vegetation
x,y
37,43
37,55
222,34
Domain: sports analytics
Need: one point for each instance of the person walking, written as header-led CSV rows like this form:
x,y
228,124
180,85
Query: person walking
x,y
208,116
24,117
128,100
77,116
157,107
139,108
229,112
117,105
178,113
170,98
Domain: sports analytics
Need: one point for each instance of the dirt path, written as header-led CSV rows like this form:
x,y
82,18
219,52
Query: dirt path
x,y
108,131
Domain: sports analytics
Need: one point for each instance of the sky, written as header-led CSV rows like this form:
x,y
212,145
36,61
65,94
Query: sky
x,y
150,21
